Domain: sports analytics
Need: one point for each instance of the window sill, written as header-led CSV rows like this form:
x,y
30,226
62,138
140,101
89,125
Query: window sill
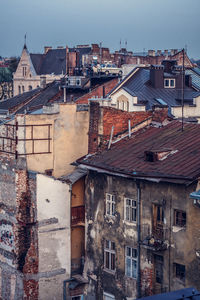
x,y
109,271
130,223
176,228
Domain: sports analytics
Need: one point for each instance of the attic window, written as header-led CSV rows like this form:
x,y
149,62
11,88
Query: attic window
x,y
169,83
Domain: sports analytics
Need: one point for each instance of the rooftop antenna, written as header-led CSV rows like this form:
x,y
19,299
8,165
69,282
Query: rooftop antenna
x,y
100,52
120,44
126,44
183,82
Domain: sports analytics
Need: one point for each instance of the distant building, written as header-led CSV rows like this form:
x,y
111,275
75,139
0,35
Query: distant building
x,y
159,86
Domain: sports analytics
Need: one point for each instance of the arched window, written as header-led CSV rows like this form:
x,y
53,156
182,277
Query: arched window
x,y
23,89
19,89
30,87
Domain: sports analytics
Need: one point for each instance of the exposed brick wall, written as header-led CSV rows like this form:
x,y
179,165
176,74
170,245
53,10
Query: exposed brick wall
x,y
93,127
159,115
147,276
98,91
26,231
119,119
108,117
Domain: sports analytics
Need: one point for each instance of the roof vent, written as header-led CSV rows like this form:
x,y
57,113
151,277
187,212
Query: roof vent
x,y
155,155
150,156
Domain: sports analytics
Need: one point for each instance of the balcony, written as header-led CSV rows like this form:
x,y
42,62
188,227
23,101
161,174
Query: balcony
x,y
78,215
155,239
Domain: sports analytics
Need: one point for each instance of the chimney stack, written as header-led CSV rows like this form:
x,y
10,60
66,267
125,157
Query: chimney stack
x,y
166,52
151,53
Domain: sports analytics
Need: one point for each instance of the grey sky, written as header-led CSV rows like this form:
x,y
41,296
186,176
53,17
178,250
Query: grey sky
x,y
149,24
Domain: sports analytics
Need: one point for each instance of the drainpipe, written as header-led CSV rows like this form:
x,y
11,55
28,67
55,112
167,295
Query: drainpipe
x,y
138,239
65,96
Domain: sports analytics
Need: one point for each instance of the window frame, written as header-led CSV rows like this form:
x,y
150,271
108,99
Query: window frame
x,y
177,272
24,71
180,221
170,85
133,260
159,268
109,256
130,208
110,205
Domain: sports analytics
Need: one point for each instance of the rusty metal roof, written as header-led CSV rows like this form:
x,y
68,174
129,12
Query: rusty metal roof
x,y
179,164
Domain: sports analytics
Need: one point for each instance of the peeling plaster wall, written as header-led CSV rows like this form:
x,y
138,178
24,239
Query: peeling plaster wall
x,y
69,129
181,245
53,200
18,232
100,227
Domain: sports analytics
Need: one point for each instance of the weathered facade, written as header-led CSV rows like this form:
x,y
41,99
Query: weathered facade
x,y
18,235
142,228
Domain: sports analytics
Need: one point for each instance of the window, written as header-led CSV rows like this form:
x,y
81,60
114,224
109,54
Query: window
x,y
24,71
130,210
30,87
179,218
109,255
131,262
107,296
158,267
158,221
179,271
19,89
169,83
110,204
23,89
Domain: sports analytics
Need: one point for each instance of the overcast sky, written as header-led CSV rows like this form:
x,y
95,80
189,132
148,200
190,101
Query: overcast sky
x,y
145,24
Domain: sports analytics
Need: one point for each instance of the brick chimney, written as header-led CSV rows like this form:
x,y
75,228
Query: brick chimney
x,y
157,76
151,53
159,52
166,52
93,127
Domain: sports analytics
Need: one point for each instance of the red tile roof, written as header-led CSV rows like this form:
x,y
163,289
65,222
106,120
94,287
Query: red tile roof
x,y
127,156
98,91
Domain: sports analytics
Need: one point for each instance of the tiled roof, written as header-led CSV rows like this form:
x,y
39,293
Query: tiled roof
x,y
54,62
19,99
41,99
31,100
127,155
37,61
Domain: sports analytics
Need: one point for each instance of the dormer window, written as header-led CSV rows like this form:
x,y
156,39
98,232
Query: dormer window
x,y
169,83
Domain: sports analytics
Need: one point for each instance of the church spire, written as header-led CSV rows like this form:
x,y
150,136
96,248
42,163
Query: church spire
x,y
25,41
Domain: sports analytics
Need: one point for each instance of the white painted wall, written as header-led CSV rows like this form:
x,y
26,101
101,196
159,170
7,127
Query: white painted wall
x,y
53,201
188,111
133,102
